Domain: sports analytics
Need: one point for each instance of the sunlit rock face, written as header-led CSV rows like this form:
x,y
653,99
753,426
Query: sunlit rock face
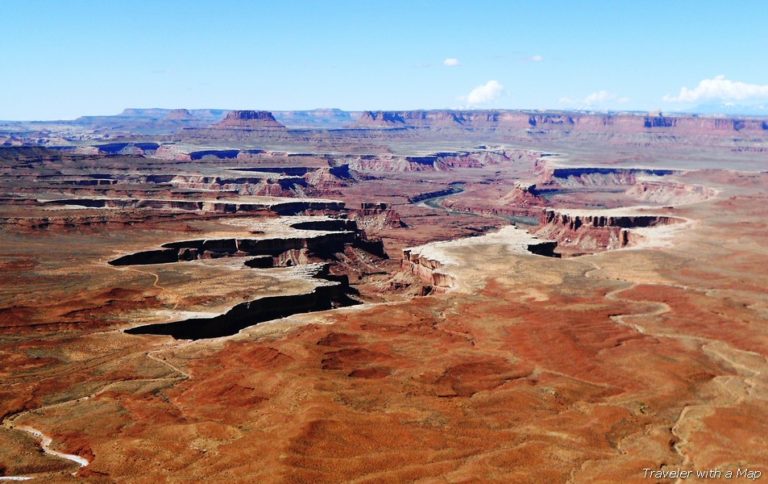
x,y
452,295
249,120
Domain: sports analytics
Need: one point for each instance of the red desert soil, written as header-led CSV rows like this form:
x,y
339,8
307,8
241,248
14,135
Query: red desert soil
x,y
522,368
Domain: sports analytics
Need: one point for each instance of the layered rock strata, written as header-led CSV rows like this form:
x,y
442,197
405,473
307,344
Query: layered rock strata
x,y
332,236
329,294
625,123
249,120
434,265
580,231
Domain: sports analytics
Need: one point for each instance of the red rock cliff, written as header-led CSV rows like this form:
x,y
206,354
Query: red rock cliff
x,y
249,120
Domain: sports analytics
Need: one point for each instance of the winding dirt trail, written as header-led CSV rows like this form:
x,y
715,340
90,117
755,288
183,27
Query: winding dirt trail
x,y
45,441
751,368
155,282
153,274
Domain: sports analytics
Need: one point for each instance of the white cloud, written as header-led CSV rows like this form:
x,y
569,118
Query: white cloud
x,y
451,62
599,97
596,100
721,89
485,93
536,58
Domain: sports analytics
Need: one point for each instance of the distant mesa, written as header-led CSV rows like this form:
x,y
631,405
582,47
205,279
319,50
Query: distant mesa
x,y
249,120
400,119
179,115
381,119
442,119
537,123
317,118
154,113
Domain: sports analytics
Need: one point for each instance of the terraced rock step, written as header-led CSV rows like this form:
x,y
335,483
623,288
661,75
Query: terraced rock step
x,y
331,294
435,266
584,231
283,207
334,235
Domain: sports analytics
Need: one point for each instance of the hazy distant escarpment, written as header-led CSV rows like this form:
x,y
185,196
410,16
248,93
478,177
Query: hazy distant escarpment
x,y
249,120
561,121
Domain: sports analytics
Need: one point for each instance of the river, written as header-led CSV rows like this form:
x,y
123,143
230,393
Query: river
x,y
455,189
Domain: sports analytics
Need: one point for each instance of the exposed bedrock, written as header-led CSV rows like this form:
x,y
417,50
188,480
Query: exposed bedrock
x,y
520,204
431,267
288,207
130,203
288,170
593,232
439,161
573,222
329,177
78,222
207,249
452,189
593,176
127,148
249,120
248,185
669,193
283,250
642,184
324,297
428,271
345,167
82,182
376,216
524,194
562,122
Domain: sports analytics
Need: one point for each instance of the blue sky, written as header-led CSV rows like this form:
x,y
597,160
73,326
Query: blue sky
x,y
66,58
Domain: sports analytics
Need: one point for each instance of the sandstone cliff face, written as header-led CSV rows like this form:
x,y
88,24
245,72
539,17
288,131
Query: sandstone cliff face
x,y
523,195
249,120
583,232
595,176
333,236
575,221
179,115
284,206
376,216
172,152
428,271
446,160
331,292
317,118
437,119
435,264
562,122
547,120
329,178
667,193
391,163
642,184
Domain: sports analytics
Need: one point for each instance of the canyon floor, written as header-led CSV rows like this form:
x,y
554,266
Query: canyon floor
x,y
382,309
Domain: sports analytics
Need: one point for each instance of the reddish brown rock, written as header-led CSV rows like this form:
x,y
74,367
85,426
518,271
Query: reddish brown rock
x,y
249,120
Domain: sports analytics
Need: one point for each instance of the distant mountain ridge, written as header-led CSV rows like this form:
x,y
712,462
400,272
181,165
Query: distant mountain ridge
x,y
329,118
287,126
563,121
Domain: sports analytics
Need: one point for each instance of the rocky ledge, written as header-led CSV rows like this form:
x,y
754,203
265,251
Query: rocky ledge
x,y
249,120
439,270
331,292
308,240
582,231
